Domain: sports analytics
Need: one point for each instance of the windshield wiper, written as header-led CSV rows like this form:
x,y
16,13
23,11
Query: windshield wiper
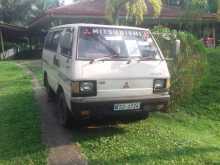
x,y
104,58
110,49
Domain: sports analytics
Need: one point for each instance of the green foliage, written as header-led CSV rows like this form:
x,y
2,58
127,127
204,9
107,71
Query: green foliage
x,y
188,67
207,95
196,4
157,6
195,8
21,12
213,5
40,6
135,9
35,67
14,11
20,135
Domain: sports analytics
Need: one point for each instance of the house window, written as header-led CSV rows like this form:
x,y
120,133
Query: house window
x,y
175,2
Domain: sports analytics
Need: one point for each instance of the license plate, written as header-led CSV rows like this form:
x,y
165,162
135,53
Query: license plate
x,y
127,106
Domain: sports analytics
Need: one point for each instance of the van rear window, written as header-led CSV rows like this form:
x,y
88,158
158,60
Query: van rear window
x,y
52,40
98,42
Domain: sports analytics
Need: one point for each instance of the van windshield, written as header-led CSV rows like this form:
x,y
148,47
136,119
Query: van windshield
x,y
100,42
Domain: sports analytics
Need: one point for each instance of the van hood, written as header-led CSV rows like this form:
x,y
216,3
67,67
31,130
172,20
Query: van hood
x,y
120,70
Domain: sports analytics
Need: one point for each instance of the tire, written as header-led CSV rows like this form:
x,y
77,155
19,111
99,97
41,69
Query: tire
x,y
50,93
64,115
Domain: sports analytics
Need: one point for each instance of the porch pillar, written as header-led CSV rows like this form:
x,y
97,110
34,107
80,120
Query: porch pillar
x,y
2,45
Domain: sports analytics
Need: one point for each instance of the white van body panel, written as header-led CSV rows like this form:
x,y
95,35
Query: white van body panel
x,y
115,79
111,76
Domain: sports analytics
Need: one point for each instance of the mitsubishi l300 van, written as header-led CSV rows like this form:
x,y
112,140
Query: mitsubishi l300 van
x,y
104,70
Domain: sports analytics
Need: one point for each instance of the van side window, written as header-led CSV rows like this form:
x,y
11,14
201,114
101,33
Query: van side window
x,y
66,43
55,41
52,40
48,40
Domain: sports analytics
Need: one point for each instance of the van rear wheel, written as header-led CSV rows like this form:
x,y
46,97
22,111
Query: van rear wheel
x,y
64,115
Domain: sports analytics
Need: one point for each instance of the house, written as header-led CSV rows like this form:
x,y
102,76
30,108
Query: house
x,y
93,11
11,33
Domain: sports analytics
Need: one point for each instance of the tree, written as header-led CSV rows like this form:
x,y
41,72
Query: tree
x,y
14,11
197,5
134,8
22,11
213,6
40,6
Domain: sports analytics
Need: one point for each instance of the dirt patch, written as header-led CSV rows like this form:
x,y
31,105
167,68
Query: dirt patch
x,y
59,140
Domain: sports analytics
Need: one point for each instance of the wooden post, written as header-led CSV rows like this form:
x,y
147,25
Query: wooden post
x,y
214,34
2,45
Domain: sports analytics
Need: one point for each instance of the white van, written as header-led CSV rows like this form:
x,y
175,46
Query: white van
x,y
104,70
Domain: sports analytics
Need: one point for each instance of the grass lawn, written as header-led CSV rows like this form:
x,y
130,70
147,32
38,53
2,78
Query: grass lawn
x,y
189,136
20,136
35,67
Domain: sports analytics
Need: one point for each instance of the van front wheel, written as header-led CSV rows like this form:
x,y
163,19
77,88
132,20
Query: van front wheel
x,y
64,115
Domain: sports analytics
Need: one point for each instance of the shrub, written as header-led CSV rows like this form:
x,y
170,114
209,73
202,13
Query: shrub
x,y
187,68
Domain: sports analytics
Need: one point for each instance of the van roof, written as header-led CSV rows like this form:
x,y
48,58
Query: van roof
x,y
96,25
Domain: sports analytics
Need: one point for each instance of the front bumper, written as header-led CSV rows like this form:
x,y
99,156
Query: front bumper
x,y
104,106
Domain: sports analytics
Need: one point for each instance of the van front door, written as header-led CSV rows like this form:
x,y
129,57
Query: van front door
x,y
50,57
65,59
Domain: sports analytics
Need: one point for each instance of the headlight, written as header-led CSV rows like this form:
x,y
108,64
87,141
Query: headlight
x,y
161,85
84,88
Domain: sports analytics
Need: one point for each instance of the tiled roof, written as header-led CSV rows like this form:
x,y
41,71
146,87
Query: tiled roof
x,y
85,8
96,8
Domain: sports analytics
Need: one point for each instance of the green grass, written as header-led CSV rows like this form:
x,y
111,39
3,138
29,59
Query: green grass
x,y
35,67
20,136
191,135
